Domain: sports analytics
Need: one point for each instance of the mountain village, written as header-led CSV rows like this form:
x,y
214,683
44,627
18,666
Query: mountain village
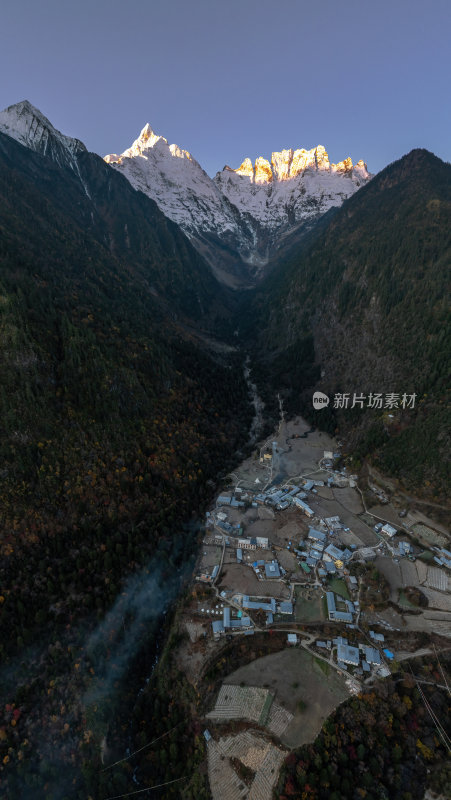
x,y
312,583
291,549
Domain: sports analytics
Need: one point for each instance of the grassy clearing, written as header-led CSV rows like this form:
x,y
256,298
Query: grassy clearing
x,y
338,586
308,610
426,556
324,667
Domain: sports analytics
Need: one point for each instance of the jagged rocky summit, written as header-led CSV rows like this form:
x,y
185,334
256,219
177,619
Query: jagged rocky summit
x,y
237,218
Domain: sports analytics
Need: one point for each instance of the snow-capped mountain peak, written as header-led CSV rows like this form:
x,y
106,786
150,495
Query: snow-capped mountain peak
x,y
239,219
297,186
145,144
185,193
30,127
240,215
147,138
288,164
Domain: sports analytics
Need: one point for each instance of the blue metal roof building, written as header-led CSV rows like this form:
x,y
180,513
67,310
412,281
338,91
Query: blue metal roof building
x,y
334,552
272,570
258,604
318,536
334,614
218,626
348,654
372,656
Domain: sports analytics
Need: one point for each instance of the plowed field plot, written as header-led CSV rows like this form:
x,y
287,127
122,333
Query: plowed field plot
x,y
392,572
261,527
409,573
242,579
349,499
437,599
242,702
257,754
297,681
429,536
437,579
211,555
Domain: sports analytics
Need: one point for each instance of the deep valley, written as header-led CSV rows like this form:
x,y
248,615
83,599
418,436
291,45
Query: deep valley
x,y
209,587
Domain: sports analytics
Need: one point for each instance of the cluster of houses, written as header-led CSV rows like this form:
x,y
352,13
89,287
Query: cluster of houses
x,y
282,498
229,624
363,657
402,550
242,622
322,553
318,551
271,607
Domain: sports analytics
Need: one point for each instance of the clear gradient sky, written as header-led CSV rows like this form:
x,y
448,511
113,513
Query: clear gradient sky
x,y
226,80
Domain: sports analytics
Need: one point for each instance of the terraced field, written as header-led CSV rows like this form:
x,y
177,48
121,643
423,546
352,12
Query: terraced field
x,y
240,702
256,753
252,703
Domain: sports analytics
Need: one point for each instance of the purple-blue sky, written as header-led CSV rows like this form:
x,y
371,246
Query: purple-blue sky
x,y
236,78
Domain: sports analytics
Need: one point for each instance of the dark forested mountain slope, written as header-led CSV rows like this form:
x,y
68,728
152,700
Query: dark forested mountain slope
x,y
116,419
367,303
112,425
381,743
107,211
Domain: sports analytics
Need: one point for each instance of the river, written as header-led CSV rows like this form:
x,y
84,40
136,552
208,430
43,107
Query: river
x,y
257,402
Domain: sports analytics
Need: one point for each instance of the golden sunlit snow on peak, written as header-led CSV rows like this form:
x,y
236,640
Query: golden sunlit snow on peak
x,y
362,167
245,169
243,208
263,171
179,153
281,163
343,166
321,158
288,164
146,141
112,158
302,159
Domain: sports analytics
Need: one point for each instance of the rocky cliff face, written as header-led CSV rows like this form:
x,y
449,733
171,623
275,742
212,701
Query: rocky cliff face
x,y
27,125
188,196
239,219
236,219
298,186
